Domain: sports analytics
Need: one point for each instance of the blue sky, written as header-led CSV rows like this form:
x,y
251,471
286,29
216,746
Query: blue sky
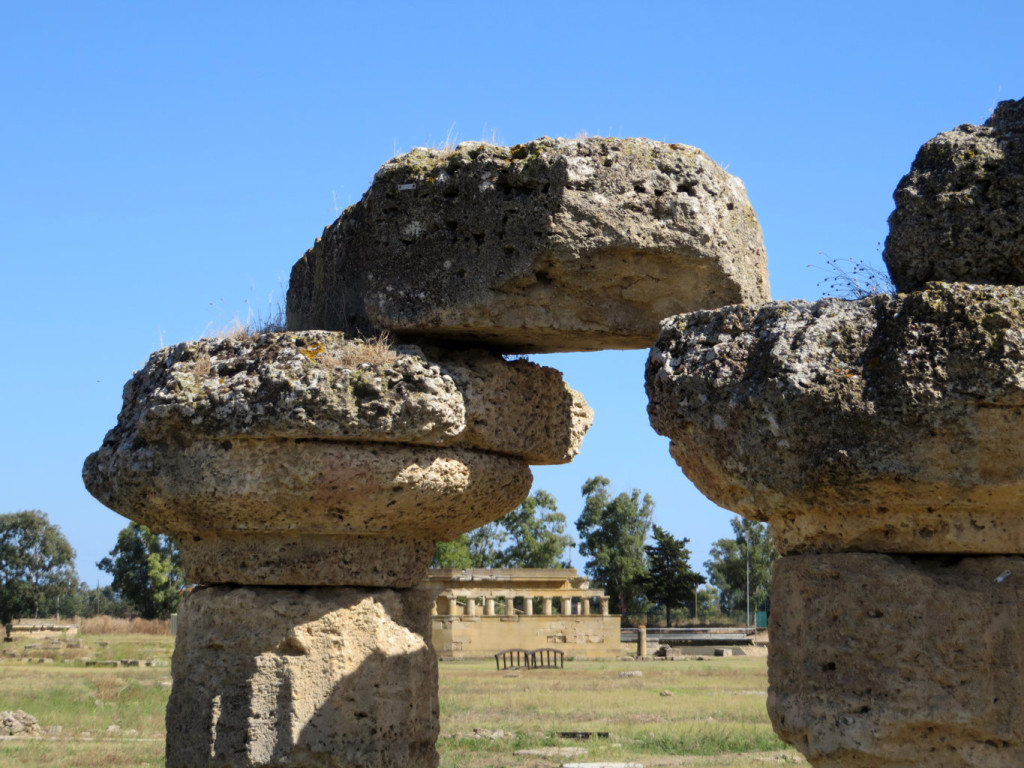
x,y
163,166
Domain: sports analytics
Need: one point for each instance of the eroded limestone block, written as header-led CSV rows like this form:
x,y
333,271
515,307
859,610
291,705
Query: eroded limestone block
x,y
881,660
303,678
279,558
554,245
320,385
891,424
960,211
261,455
286,485
293,504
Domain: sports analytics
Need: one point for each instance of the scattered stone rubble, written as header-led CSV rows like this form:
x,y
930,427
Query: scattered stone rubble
x,y
19,723
307,475
882,440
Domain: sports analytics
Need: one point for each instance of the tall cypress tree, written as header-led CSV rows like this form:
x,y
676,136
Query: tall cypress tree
x,y
670,581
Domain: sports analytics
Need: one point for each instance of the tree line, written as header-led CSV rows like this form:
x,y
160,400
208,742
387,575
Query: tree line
x,y
642,567
38,578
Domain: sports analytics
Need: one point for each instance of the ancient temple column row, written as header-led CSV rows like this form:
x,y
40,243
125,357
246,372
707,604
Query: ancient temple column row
x,y
448,605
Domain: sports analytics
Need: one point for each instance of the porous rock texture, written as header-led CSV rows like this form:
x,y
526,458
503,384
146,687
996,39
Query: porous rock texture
x,y
553,245
882,661
303,678
282,459
960,211
323,385
890,424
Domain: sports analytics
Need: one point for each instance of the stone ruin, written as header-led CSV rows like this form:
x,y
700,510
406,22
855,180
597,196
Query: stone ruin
x,y
881,438
307,475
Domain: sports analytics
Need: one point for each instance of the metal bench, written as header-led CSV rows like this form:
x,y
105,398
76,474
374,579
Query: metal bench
x,y
520,658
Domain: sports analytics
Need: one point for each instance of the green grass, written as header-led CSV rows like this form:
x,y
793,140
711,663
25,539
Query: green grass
x,y
683,712
85,701
715,715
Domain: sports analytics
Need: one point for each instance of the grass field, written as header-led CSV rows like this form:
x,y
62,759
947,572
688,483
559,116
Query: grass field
x,y
680,713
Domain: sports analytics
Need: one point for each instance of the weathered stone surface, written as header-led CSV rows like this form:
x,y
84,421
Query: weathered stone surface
x,y
899,661
960,211
303,678
320,385
285,558
554,245
890,424
19,723
519,408
285,488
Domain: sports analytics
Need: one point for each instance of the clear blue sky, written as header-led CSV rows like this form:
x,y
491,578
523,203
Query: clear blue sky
x,y
164,164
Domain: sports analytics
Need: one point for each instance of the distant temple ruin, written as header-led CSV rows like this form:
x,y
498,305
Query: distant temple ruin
x,y
480,612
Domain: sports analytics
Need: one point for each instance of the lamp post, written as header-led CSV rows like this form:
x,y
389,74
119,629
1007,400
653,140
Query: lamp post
x,y
746,550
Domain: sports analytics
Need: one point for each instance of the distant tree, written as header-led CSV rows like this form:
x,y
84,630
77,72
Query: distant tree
x,y
670,581
535,531
708,603
612,534
102,601
486,544
452,554
727,569
530,536
147,572
37,565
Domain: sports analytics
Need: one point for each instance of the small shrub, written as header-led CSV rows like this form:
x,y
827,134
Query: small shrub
x,y
849,279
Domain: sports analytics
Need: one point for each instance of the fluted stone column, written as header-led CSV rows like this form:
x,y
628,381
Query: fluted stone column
x,y
547,606
471,606
528,605
605,609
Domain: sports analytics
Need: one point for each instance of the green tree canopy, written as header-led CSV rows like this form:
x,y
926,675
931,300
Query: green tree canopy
x,y
612,535
530,536
670,581
536,534
37,565
147,572
452,554
727,568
